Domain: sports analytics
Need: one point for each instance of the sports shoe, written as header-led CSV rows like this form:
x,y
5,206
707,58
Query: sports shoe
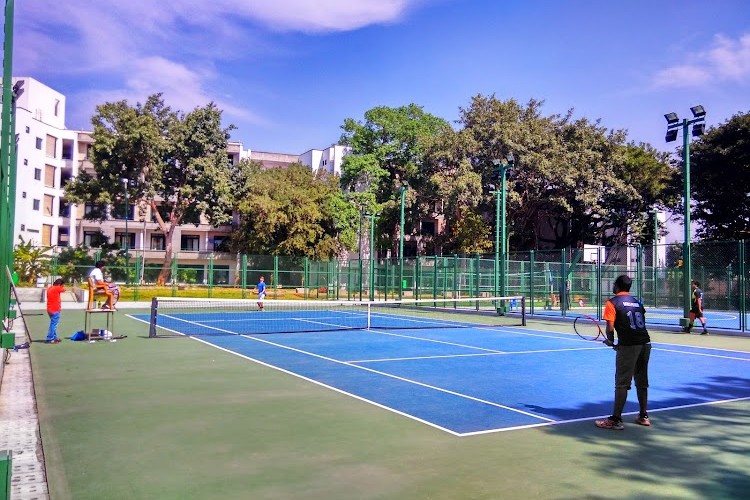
x,y
610,423
53,341
686,329
704,332
643,420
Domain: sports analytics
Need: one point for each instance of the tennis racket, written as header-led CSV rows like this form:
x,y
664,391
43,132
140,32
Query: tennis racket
x,y
588,328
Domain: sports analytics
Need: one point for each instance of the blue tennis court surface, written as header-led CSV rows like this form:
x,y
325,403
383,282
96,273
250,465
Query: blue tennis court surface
x,y
469,380
725,320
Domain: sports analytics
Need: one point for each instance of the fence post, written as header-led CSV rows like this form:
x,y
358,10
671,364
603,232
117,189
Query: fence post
x,y
531,279
174,274
243,275
743,286
210,280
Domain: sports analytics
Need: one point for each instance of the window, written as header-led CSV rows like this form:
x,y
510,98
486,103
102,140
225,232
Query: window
x,y
38,174
25,162
67,150
221,243
28,129
190,243
36,204
57,106
64,208
121,239
63,236
49,201
23,194
92,209
46,235
158,242
39,143
118,211
51,146
428,227
163,211
93,239
49,176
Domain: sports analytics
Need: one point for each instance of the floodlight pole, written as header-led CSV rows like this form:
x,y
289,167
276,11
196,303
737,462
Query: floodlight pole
x,y
127,235
372,259
687,262
501,239
402,192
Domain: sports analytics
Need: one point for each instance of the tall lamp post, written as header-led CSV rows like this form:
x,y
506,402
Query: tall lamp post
x,y
125,185
502,167
372,218
402,193
699,127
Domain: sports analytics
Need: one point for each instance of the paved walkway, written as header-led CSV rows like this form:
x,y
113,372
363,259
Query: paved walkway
x,y
20,424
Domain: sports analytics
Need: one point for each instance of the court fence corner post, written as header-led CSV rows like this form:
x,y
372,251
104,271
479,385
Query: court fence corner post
x,y
6,470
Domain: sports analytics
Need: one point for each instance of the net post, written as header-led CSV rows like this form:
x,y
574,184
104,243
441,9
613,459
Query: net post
x,y
523,310
152,322
369,315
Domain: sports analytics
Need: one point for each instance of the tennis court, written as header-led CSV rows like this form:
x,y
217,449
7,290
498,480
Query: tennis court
x,y
462,373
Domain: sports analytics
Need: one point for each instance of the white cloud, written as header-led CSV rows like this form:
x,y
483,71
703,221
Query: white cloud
x,y
138,47
727,60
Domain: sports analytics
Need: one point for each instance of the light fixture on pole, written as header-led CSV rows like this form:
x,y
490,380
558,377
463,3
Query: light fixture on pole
x,y
699,128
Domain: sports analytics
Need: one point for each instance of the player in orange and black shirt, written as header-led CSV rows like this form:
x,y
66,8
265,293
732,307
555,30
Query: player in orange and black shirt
x,y
624,314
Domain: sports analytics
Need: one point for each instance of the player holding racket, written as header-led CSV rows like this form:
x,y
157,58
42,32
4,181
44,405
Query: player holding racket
x,y
261,292
624,314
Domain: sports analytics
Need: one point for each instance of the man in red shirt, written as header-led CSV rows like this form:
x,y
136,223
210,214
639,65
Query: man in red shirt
x,y
54,306
624,314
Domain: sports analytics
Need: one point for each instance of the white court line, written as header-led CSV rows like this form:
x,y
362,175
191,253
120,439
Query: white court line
x,y
496,353
586,419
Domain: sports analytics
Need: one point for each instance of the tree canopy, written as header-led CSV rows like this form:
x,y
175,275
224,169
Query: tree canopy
x,y
720,180
292,211
173,162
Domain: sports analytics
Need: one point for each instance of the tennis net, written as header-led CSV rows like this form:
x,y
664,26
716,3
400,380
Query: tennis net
x,y
172,316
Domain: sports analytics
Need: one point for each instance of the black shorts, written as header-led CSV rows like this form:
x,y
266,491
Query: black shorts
x,y
696,312
632,363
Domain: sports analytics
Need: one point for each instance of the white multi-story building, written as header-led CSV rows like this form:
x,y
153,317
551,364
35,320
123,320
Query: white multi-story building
x,y
49,155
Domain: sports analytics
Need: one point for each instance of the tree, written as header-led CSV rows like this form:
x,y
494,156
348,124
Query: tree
x,y
388,150
292,211
175,163
573,182
720,180
29,261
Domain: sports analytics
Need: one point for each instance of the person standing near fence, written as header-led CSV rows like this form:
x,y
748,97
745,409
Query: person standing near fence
x,y
54,308
696,308
261,292
624,314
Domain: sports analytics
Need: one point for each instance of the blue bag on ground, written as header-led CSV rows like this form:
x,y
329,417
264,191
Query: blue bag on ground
x,y
79,335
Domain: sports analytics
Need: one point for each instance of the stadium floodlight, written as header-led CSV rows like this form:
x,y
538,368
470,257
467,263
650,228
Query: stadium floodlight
x,y
671,118
698,123
698,111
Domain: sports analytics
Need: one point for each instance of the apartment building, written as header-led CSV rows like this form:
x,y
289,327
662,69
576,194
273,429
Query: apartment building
x,y
49,155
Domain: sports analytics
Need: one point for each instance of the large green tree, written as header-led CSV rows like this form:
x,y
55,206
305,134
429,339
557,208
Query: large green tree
x,y
176,163
574,182
292,211
388,150
720,180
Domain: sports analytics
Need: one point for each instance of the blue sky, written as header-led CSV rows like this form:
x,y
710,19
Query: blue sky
x,y
288,72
